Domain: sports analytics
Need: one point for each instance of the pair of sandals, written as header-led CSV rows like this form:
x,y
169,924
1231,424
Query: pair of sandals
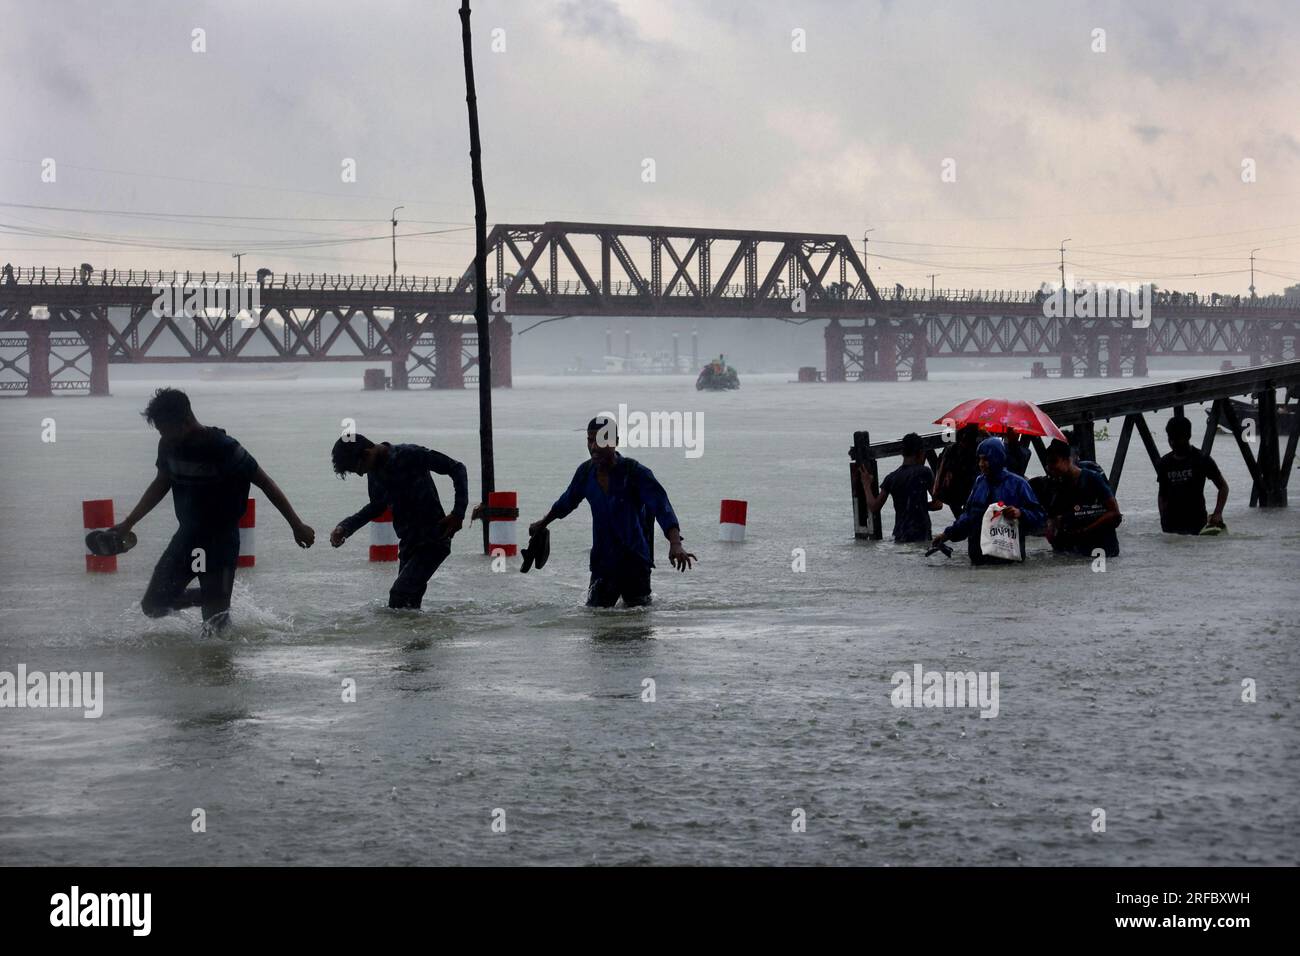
x,y
105,542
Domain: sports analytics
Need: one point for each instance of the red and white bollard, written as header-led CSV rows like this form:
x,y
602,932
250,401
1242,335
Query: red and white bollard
x,y
501,530
97,515
247,536
383,539
731,523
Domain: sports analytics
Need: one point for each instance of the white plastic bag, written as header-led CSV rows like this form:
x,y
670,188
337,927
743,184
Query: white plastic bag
x,y
999,534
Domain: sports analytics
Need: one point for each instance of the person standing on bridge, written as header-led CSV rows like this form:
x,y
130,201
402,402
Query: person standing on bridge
x,y
208,474
398,477
1181,475
625,500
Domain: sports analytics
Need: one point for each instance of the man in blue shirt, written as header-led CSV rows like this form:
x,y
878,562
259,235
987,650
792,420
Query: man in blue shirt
x,y
398,478
208,474
996,483
625,502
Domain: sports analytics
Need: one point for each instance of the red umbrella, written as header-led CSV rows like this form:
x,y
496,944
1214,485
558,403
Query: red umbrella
x,y
996,415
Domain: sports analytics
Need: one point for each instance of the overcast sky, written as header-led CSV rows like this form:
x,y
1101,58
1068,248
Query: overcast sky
x,y
1135,153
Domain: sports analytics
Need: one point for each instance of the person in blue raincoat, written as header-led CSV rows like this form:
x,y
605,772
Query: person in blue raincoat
x,y
996,483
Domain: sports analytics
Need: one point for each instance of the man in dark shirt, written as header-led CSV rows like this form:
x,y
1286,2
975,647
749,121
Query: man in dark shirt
x,y
1181,475
625,500
910,487
398,478
1082,513
958,469
208,474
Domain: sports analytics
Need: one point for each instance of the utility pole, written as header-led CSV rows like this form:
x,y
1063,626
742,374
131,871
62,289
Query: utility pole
x,y
1252,272
932,278
480,277
395,208
239,265
1063,242
864,248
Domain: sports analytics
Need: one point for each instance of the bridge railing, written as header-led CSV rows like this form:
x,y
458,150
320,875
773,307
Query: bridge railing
x,y
64,276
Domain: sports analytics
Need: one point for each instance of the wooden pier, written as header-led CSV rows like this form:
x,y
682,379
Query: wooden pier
x,y
1269,465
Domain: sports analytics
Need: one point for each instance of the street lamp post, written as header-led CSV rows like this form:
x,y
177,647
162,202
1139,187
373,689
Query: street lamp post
x,y
395,208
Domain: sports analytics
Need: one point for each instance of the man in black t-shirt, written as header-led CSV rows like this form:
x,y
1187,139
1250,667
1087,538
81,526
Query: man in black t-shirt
x,y
1182,474
208,474
909,486
397,477
1082,512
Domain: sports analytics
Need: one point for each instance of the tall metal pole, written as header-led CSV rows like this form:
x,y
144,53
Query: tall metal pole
x,y
395,208
480,275
1063,242
1252,272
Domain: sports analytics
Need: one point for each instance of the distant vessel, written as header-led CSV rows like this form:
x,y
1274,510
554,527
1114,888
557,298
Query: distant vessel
x,y
717,376
638,363
238,372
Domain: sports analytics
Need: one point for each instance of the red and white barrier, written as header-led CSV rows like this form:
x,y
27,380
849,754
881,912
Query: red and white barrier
x,y
97,515
731,523
383,539
501,531
248,536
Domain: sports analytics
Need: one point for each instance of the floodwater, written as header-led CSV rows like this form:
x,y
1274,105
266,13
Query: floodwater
x,y
504,700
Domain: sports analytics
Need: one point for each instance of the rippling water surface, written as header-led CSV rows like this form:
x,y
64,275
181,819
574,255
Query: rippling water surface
x,y
1119,690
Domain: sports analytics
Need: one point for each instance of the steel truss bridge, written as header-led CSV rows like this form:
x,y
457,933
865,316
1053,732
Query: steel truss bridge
x,y
61,328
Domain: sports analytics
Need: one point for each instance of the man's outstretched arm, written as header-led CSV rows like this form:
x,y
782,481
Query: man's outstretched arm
x,y
155,493
655,498
302,533
564,505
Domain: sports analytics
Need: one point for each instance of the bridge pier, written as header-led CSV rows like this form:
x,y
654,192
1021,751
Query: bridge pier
x,y
398,381
887,355
499,334
96,337
1092,353
38,362
920,348
1140,346
835,351
447,337
1114,354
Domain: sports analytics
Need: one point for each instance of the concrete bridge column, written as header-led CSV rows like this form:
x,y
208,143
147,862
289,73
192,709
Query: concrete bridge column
x,y
1092,353
1140,344
38,362
920,348
97,338
1114,354
398,381
1067,353
499,333
835,350
447,349
887,356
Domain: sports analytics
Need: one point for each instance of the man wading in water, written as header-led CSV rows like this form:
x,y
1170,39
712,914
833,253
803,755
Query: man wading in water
x,y
208,474
625,502
398,477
